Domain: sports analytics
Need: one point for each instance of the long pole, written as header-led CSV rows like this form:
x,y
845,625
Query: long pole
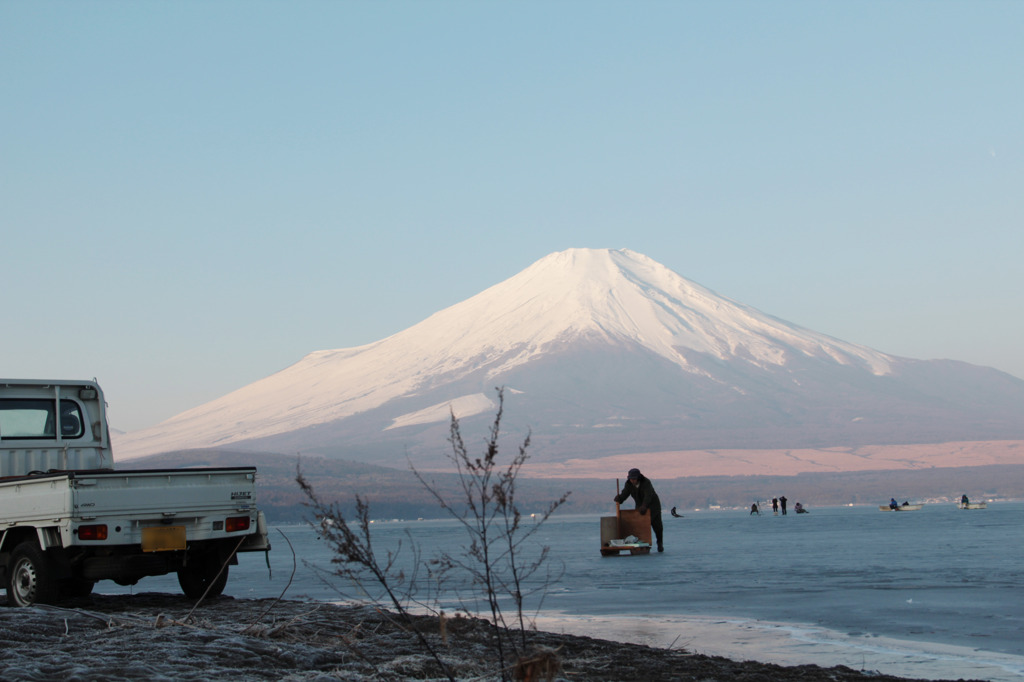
x,y
618,517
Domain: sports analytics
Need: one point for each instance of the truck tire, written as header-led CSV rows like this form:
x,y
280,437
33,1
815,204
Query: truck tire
x,y
30,579
196,577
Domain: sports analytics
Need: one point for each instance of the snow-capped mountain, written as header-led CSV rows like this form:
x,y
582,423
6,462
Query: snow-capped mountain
x,y
601,352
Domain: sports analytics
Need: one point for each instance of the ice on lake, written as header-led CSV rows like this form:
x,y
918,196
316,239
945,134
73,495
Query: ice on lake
x,y
934,593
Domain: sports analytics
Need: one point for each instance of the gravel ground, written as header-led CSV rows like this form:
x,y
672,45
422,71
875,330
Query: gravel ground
x,y
161,637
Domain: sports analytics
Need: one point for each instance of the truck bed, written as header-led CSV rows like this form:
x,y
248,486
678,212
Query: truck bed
x,y
129,500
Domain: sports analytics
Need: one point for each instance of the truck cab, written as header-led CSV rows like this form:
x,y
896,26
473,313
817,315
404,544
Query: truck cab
x,y
52,425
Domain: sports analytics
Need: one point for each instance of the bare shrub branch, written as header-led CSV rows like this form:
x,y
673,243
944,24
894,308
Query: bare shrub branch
x,y
355,560
498,562
495,558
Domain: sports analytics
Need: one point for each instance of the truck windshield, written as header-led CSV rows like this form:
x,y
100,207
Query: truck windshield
x,y
34,418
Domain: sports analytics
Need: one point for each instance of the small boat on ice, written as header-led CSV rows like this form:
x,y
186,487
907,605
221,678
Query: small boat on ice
x,y
965,503
900,507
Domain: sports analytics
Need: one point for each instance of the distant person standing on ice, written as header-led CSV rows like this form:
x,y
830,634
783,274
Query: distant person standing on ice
x,y
775,505
782,501
640,488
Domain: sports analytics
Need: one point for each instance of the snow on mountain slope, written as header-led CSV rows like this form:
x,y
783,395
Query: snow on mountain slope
x,y
611,297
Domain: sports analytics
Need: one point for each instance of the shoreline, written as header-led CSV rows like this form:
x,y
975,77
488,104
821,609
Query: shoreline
x,y
157,635
792,644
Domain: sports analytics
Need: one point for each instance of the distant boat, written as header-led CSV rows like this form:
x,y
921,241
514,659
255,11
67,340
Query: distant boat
x,y
972,505
902,507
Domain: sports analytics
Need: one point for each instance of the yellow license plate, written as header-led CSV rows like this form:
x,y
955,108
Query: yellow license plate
x,y
163,538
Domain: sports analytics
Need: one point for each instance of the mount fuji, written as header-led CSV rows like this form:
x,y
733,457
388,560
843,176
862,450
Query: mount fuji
x,y
602,353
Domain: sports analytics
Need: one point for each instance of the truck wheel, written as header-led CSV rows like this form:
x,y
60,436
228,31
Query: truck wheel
x,y
198,575
30,580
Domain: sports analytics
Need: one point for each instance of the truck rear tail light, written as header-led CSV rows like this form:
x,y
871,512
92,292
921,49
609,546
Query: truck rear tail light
x,y
237,523
95,532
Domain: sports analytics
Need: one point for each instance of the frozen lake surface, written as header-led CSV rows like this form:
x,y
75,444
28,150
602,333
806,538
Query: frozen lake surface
x,y
935,593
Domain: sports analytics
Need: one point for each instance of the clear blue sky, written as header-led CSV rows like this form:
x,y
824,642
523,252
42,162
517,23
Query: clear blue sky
x,y
194,195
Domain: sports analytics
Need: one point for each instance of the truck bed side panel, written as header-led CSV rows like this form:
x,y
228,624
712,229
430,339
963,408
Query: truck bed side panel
x,y
27,500
171,491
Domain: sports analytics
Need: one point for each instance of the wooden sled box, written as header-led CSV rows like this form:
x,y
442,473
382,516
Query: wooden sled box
x,y
614,529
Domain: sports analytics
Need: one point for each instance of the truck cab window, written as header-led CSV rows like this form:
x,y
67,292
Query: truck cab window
x,y
71,422
36,419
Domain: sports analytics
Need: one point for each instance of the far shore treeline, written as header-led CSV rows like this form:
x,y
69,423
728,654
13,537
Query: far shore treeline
x,y
396,494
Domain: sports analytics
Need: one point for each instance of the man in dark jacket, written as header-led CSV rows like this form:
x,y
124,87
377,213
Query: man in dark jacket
x,y
640,488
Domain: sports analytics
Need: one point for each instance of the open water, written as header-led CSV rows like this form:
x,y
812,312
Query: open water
x,y
936,593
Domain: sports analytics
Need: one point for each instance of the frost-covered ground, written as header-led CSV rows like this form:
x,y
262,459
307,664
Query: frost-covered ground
x,y
153,636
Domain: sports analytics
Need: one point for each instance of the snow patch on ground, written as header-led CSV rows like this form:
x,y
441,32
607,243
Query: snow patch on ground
x,y
461,407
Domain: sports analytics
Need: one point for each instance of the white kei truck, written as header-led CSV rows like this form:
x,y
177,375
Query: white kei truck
x,y
69,519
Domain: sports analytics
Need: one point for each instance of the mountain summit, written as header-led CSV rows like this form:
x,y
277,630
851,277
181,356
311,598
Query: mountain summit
x,y
602,352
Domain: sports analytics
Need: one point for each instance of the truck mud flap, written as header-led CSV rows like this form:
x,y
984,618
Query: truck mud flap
x,y
258,541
